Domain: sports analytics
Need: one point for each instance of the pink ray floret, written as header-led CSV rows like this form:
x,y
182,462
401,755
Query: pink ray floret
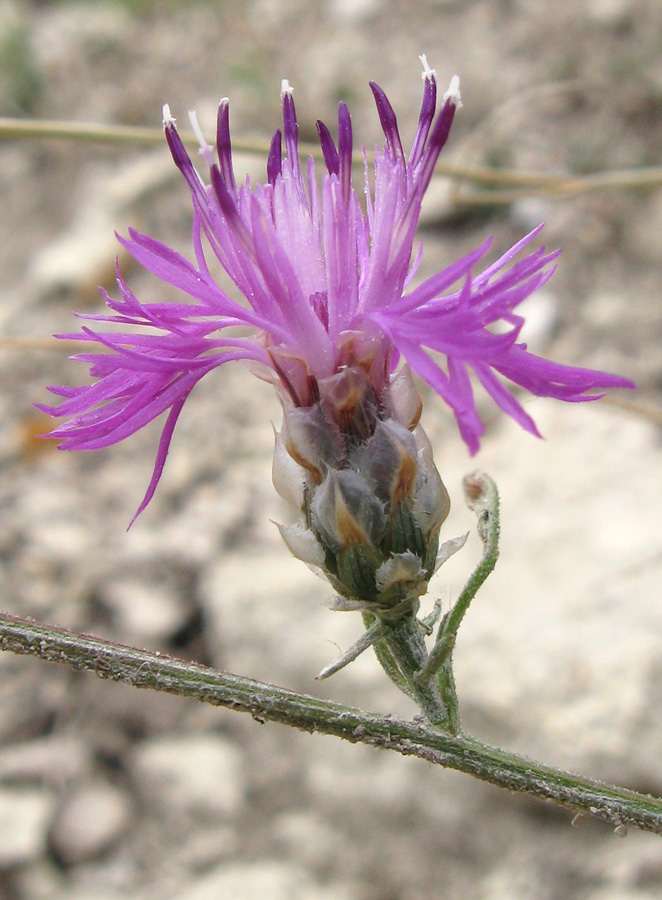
x,y
325,280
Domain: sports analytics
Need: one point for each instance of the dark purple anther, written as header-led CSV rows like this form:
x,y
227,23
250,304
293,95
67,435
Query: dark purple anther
x,y
329,152
225,199
320,303
440,131
290,127
275,158
389,122
428,107
223,144
177,149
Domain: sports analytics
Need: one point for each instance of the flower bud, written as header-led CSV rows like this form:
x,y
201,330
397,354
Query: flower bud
x,y
359,466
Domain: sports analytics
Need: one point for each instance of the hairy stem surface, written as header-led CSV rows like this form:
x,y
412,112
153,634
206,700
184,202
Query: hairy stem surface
x,y
265,702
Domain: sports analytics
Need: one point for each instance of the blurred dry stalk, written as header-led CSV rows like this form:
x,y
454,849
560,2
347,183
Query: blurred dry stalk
x,y
499,186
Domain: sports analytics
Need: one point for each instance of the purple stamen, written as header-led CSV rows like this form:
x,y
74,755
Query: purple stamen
x,y
389,122
329,152
224,144
275,158
428,107
290,127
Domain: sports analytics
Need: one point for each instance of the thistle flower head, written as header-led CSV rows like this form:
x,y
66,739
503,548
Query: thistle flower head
x,y
326,280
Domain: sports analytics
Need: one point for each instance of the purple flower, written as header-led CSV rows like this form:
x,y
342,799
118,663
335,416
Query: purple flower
x,y
326,284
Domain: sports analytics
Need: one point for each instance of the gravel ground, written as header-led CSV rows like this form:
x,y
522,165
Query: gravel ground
x,y
106,792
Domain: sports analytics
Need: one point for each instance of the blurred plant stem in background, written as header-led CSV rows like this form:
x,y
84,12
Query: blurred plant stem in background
x,y
501,186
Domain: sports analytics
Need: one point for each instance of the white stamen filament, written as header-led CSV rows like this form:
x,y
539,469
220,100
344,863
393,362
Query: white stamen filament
x,y
428,73
206,151
453,92
168,118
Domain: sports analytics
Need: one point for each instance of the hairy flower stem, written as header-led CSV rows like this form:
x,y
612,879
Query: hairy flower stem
x,y
428,677
482,497
407,647
267,702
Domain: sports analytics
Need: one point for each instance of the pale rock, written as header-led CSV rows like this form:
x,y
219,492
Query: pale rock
x,y
61,34
260,880
82,255
75,259
357,775
439,201
308,838
270,619
200,775
580,556
609,12
353,12
52,759
148,611
42,879
509,882
60,539
203,848
620,893
25,815
529,212
540,313
90,821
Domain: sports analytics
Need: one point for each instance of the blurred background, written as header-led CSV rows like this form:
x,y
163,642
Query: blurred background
x,y
107,792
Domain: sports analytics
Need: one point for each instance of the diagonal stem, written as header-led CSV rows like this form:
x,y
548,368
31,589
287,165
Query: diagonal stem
x,y
374,633
483,498
265,702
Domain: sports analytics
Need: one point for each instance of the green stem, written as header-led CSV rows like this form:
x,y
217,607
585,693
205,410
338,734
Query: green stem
x,y
373,634
386,659
265,702
483,498
406,645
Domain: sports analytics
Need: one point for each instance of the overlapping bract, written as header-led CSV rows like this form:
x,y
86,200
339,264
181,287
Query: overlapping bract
x,y
326,284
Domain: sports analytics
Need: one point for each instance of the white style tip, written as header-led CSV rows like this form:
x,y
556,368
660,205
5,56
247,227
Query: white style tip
x,y
197,131
205,149
285,88
428,73
452,95
168,118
